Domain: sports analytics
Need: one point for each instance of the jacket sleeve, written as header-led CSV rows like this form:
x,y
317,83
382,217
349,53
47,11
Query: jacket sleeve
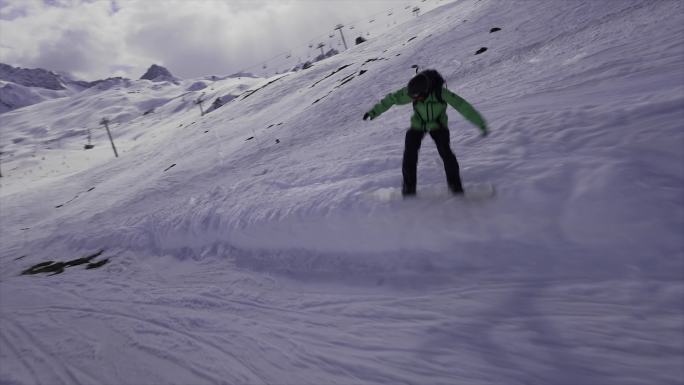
x,y
399,97
465,109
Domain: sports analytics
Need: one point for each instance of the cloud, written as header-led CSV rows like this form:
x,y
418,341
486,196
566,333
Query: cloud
x,y
101,38
65,36
70,51
198,39
13,9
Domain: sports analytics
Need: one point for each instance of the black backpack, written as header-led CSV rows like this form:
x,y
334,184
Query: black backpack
x,y
435,82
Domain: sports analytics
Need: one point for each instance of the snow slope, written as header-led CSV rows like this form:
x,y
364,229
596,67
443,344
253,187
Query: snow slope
x,y
247,246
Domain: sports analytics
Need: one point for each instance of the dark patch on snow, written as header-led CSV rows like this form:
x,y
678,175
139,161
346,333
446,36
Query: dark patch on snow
x,y
409,40
362,72
495,29
326,55
74,198
197,86
345,80
250,138
58,267
98,264
170,167
481,50
250,93
331,74
372,60
319,99
39,268
304,66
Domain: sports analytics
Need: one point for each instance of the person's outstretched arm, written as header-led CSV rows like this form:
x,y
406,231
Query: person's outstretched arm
x,y
399,97
464,108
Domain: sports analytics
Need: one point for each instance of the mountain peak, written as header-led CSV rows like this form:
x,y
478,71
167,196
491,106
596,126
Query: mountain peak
x,y
157,73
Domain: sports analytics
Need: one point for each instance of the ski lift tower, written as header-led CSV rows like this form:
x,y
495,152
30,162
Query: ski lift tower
x,y
339,28
105,122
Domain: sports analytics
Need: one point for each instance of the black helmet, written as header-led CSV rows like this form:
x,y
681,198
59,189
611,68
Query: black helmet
x,y
419,86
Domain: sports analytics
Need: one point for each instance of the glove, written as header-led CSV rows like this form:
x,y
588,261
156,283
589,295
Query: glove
x,y
367,116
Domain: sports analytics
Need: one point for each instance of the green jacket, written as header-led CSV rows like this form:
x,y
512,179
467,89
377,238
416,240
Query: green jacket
x,y
430,114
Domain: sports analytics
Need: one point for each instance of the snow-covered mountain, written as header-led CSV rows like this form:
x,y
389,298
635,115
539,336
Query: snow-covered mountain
x,y
31,77
254,244
21,87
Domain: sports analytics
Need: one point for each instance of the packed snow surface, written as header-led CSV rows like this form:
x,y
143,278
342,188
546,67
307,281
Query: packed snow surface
x,y
249,245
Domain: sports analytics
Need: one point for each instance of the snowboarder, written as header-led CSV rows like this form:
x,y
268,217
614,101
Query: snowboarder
x,y
429,97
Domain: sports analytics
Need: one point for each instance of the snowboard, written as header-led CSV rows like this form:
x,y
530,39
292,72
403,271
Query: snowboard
x,y
473,192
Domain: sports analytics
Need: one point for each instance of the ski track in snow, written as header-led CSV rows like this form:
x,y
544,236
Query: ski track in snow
x,y
256,261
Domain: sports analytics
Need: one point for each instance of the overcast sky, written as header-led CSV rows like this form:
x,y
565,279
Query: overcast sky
x,y
94,39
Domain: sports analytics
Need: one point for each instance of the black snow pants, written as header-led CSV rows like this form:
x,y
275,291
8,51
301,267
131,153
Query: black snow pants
x,y
410,162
